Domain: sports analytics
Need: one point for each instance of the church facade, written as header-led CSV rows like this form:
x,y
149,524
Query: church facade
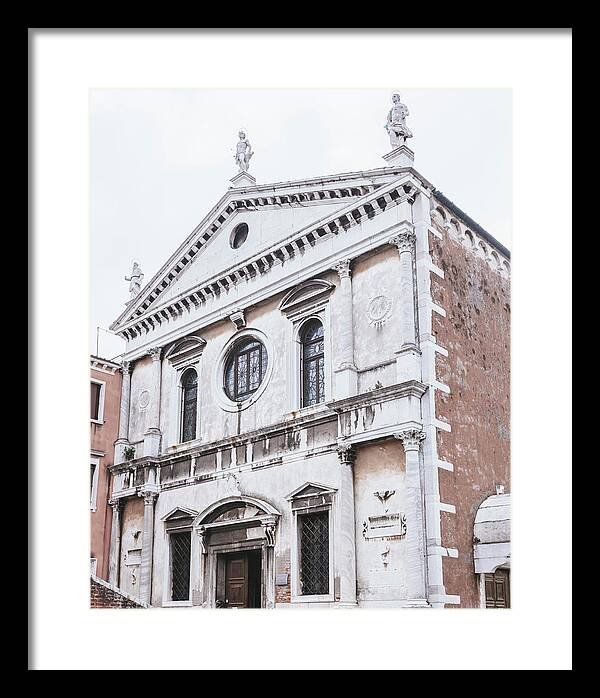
x,y
315,401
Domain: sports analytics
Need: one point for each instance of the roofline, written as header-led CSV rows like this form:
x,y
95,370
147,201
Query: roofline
x,y
230,195
470,222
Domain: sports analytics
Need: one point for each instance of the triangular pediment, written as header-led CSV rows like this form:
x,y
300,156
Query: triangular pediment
x,y
179,513
272,212
310,489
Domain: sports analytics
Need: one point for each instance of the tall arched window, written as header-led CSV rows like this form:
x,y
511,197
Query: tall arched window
x,y
189,404
313,363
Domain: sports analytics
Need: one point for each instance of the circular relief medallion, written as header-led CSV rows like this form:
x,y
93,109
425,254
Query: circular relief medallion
x,y
379,310
144,399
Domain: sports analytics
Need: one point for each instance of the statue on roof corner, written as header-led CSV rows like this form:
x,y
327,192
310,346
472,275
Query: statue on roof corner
x,y
135,281
396,126
243,152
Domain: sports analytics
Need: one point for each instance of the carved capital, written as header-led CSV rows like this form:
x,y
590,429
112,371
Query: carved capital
x,y
404,242
269,526
411,438
201,533
346,453
343,268
149,497
155,353
126,367
116,505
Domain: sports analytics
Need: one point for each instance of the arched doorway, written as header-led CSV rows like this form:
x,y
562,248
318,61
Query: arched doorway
x,y
237,542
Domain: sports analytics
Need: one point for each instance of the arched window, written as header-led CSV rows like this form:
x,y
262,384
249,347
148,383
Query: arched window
x,y
245,369
313,363
189,404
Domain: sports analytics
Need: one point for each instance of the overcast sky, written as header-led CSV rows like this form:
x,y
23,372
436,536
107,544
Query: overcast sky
x,y
160,159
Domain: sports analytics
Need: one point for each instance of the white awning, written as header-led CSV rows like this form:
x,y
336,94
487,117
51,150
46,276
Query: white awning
x,y
492,534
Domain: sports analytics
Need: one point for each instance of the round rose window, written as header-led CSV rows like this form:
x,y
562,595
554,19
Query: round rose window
x,y
245,369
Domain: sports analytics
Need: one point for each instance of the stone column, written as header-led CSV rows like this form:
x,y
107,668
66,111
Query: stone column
x,y
407,358
411,440
199,592
115,542
269,525
347,532
147,545
152,434
346,373
123,439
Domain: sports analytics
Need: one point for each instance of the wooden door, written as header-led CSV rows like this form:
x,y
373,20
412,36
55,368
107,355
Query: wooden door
x,y
236,581
497,589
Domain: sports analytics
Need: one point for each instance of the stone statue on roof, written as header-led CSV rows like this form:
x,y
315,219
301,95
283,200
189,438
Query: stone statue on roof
x,y
135,280
243,152
396,126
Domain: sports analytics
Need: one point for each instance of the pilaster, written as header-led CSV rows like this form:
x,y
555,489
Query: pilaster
x,y
115,542
147,545
152,435
417,588
408,356
347,533
346,373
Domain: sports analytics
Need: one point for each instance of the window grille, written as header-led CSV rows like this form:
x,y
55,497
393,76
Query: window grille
x,y
180,565
314,553
245,369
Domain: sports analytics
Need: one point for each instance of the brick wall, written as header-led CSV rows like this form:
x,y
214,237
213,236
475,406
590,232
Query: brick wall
x,y
476,333
104,595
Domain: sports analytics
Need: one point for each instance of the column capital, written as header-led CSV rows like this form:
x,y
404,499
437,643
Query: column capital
x,y
155,353
411,438
115,503
149,497
404,241
201,533
346,453
126,367
269,526
343,268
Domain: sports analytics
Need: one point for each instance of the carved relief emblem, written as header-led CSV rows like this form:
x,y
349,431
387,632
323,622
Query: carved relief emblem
x,y
144,399
379,310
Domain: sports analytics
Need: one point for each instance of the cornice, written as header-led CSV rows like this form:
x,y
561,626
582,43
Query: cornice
x,y
104,365
410,388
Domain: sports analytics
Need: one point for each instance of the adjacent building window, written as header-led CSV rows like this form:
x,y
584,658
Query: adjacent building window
x,y
313,532
245,369
189,404
94,472
313,363
97,399
181,547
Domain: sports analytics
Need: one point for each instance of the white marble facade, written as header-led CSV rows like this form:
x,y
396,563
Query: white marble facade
x,y
350,251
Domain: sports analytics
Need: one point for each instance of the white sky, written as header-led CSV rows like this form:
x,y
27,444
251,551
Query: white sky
x,y
160,159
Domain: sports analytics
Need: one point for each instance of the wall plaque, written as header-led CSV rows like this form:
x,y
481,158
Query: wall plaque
x,y
390,526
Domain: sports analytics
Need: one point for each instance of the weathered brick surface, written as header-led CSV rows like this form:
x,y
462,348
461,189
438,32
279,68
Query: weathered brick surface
x,y
476,333
103,595
283,594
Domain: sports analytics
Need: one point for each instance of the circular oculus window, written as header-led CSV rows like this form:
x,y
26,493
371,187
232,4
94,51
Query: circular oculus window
x,y
239,235
245,369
